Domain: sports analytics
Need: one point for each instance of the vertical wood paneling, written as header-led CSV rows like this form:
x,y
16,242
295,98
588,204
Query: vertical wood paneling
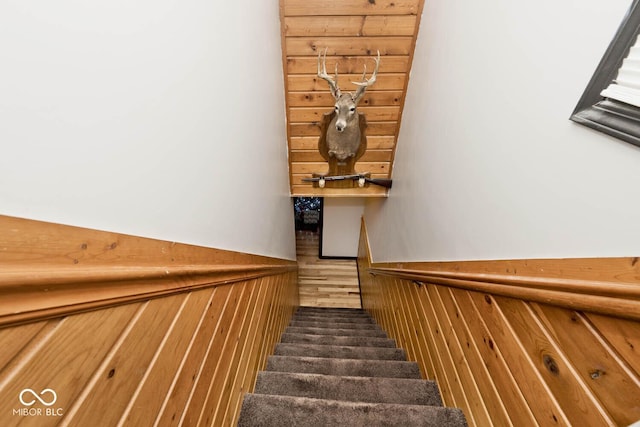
x,y
551,364
472,398
508,360
167,360
63,360
186,357
426,361
411,345
15,339
186,378
202,392
492,358
623,335
482,378
267,345
132,331
421,356
453,394
599,368
121,375
217,395
242,375
519,361
227,378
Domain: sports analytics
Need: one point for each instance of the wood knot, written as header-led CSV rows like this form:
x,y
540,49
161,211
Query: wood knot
x,y
551,365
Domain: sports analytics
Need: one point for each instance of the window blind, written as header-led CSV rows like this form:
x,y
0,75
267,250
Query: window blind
x,y
626,87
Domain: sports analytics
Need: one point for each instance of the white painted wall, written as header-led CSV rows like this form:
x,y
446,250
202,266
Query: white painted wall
x,y
488,164
161,119
341,226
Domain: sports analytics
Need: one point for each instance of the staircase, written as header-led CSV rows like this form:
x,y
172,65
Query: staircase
x,y
336,367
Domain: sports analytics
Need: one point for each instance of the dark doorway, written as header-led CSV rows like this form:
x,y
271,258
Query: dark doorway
x,y
308,213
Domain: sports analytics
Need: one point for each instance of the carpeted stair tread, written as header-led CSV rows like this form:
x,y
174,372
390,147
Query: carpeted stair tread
x,y
337,340
354,389
337,332
340,352
341,325
268,411
337,367
352,367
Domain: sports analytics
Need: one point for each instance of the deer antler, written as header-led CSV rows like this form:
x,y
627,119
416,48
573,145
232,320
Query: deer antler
x,y
322,73
362,86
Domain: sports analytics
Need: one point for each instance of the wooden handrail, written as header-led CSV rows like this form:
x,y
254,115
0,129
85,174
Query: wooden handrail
x,y
607,297
30,294
39,276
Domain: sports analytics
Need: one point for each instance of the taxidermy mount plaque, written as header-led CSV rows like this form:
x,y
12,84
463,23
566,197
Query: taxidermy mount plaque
x,y
342,132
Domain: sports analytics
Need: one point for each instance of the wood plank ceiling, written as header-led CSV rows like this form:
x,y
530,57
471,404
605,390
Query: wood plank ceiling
x,y
351,31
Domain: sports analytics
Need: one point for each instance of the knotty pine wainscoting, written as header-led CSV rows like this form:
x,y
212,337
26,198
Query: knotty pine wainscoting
x,y
102,329
520,343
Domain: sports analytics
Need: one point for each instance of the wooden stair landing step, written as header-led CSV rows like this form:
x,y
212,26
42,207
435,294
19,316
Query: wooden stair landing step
x,y
336,367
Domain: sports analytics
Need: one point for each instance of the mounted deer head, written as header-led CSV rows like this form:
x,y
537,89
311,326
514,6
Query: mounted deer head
x,y
345,106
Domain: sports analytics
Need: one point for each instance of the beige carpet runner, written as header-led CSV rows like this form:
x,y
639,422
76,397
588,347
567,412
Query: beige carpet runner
x,y
336,367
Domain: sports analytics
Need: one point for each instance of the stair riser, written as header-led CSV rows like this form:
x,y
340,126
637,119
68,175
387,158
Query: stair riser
x,y
337,340
371,326
359,368
336,332
333,310
332,319
347,317
340,352
352,389
352,314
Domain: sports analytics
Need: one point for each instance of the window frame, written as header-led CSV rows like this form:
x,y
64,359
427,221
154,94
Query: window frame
x,y
606,115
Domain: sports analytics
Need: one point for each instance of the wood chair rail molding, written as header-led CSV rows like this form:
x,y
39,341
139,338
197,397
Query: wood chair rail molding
x,y
48,270
600,285
612,298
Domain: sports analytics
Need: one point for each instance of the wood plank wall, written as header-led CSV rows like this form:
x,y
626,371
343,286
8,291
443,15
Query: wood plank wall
x,y
324,282
185,357
351,32
518,343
